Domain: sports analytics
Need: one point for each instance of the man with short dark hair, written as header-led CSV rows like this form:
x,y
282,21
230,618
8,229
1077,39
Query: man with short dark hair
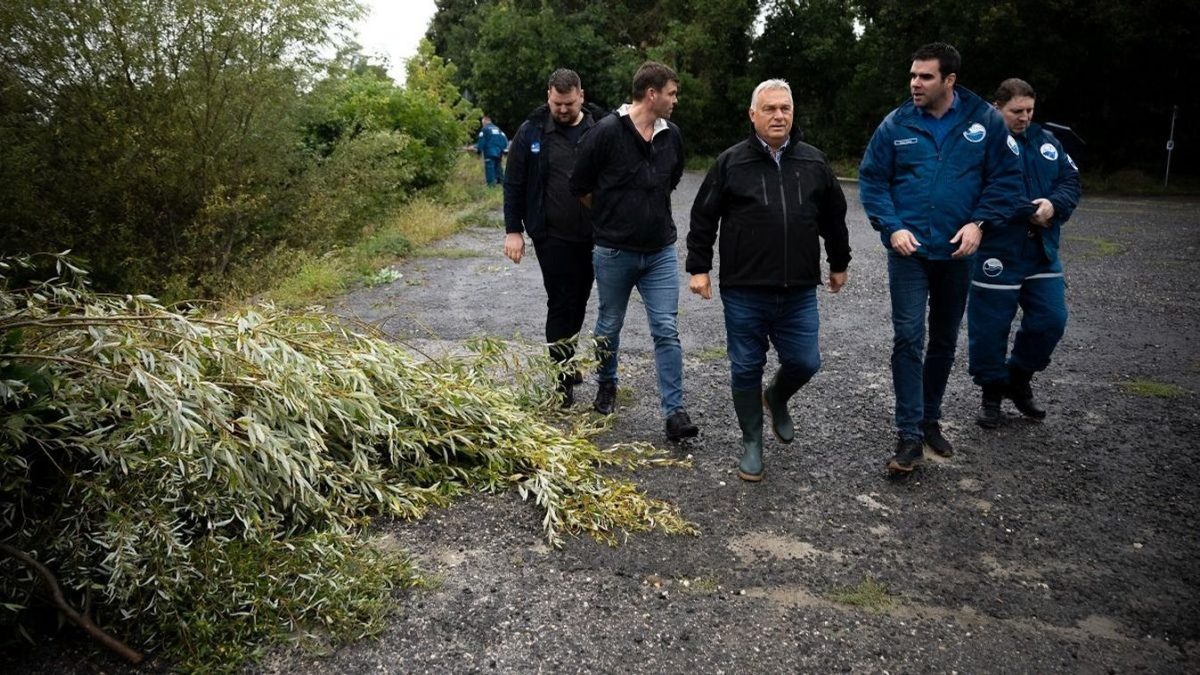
x,y
626,169
538,201
939,173
773,198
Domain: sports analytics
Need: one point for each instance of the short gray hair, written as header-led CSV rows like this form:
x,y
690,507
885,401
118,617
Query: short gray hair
x,y
770,84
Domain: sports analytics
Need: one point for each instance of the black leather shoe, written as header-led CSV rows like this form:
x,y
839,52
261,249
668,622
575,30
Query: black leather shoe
x,y
990,415
935,441
1020,392
606,398
567,389
909,452
679,425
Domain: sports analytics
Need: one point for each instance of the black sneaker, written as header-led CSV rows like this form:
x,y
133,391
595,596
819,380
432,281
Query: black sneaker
x,y
908,455
679,425
990,415
568,392
935,441
606,398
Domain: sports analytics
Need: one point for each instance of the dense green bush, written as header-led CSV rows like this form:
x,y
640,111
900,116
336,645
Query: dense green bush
x,y
173,144
206,480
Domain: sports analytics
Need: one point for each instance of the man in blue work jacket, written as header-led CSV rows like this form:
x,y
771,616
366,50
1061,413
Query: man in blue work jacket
x,y
940,172
491,144
1018,266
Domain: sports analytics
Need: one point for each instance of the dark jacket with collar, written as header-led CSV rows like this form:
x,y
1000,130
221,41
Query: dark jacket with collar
x,y
906,181
630,181
525,180
770,217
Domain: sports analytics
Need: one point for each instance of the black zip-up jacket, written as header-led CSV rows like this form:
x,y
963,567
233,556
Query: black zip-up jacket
x,y
525,178
769,216
630,181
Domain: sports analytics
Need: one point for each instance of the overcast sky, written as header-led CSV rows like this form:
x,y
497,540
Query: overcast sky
x,y
392,30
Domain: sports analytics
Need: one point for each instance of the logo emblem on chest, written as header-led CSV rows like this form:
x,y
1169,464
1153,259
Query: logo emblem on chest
x,y
1049,151
976,133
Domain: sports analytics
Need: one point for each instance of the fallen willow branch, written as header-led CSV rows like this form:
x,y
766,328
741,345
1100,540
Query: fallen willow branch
x,y
56,596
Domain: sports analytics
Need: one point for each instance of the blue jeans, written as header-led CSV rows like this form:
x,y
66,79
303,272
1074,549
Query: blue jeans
x,y
786,317
919,373
656,276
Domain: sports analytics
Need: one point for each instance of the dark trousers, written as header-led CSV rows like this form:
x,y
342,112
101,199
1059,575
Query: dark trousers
x,y
567,275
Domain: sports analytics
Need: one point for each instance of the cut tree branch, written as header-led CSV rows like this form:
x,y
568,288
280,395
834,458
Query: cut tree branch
x,y
56,596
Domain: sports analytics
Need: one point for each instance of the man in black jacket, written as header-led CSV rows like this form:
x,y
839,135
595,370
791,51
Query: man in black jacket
x,y
538,200
627,167
771,196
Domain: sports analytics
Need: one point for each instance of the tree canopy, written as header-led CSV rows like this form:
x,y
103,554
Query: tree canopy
x,y
1112,70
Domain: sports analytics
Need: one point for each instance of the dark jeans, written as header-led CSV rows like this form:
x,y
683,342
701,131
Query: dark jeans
x,y
787,317
919,373
567,276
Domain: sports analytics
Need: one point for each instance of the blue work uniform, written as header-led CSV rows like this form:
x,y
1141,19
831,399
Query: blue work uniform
x,y
492,143
1018,266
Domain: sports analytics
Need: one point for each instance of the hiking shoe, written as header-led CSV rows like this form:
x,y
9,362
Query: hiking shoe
x,y
935,441
908,455
606,398
1020,392
990,415
679,425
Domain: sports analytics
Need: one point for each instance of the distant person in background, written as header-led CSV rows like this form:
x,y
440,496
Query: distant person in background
x,y
491,145
1018,266
538,201
773,198
940,172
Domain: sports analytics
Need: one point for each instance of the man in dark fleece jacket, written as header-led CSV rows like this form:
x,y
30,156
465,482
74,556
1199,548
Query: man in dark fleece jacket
x,y
538,200
626,169
772,197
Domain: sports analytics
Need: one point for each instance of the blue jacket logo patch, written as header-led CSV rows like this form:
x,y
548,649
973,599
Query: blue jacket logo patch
x,y
1072,163
1012,145
1049,151
992,267
535,147
976,133
904,141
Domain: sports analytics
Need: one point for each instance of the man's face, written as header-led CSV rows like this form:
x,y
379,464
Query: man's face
x,y
662,101
565,107
929,89
772,116
1018,113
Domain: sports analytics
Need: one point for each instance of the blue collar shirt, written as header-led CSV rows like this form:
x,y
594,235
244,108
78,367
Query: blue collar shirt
x,y
939,127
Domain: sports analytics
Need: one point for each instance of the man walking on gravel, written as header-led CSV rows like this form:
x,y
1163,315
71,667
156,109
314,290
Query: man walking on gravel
x,y
940,171
773,198
1018,266
538,200
626,169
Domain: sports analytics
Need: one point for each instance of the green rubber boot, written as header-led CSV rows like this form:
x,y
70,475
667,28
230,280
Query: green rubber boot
x,y
748,406
775,398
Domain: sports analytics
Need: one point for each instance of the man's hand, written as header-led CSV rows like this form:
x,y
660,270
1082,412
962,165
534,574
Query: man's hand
x,y
904,243
514,246
1044,213
968,239
837,280
701,285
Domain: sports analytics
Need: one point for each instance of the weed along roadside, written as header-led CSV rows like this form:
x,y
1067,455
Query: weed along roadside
x,y
1060,546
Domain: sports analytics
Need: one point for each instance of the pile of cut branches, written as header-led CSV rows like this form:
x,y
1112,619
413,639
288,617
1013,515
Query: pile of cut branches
x,y
203,482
